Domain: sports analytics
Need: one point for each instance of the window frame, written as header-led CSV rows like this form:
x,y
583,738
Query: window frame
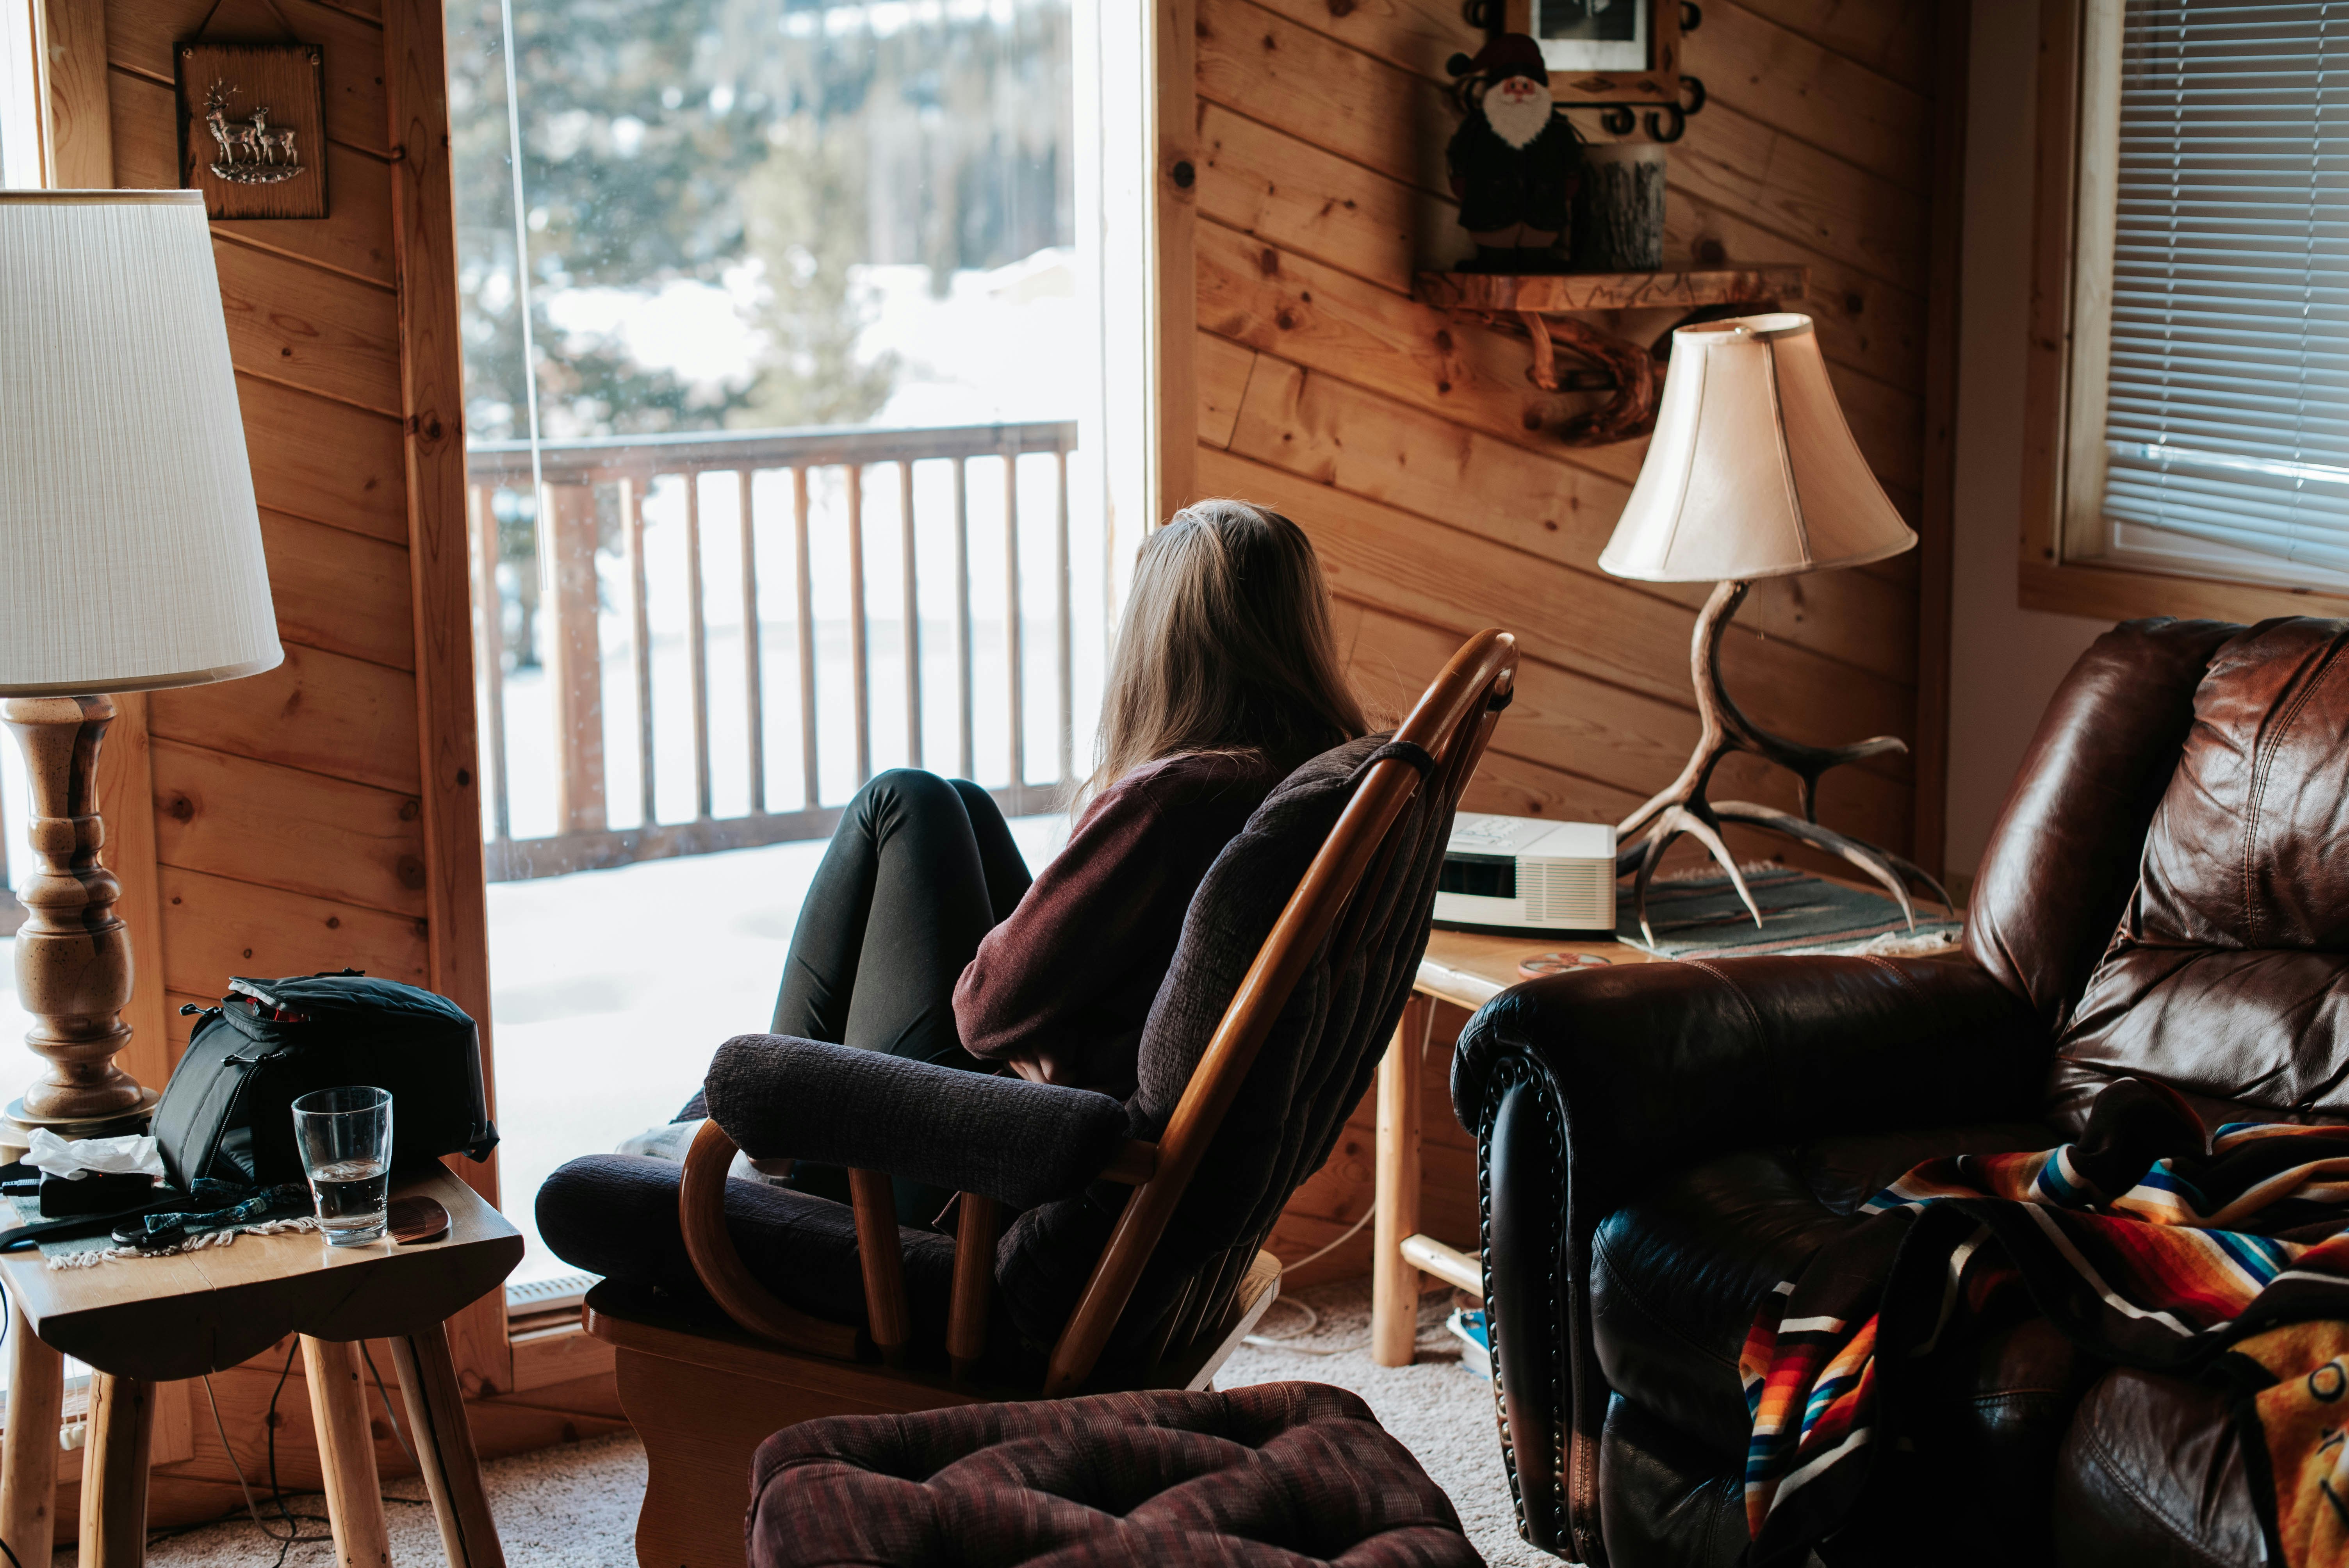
x,y
2068,564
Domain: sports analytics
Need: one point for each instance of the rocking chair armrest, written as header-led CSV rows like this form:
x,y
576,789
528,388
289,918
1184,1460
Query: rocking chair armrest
x,y
701,1216
1024,1143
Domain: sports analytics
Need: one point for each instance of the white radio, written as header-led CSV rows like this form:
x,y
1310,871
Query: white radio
x,y
1522,874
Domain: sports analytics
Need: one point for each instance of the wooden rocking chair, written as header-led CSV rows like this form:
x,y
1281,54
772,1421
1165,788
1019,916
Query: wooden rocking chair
x,y
1180,1279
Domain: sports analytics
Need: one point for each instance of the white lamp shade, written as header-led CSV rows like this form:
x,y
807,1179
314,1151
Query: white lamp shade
x,y
130,549
1751,471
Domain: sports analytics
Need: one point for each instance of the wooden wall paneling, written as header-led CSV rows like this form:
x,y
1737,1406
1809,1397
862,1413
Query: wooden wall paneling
x,y
424,230
140,32
1266,183
1315,316
307,327
1322,428
1324,92
1812,93
1419,35
1865,322
1756,68
1310,314
272,932
79,140
1937,526
323,712
1448,577
1273,187
1174,296
340,591
354,238
1801,192
1569,723
1322,76
327,461
1893,38
285,828
1223,369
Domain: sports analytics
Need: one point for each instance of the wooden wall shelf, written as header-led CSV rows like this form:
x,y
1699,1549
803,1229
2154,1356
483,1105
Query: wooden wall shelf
x,y
1547,291
1542,305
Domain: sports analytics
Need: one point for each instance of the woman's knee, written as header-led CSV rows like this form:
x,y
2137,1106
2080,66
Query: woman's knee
x,y
904,795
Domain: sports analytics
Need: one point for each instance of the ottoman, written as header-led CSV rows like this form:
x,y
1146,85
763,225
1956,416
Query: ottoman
x,y
1286,1473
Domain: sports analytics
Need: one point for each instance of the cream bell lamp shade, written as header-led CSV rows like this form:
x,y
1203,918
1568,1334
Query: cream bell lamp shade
x,y
130,560
1752,472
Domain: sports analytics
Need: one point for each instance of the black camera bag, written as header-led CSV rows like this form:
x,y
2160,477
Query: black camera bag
x,y
228,1111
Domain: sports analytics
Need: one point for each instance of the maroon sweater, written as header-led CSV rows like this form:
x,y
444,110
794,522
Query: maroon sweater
x,y
1066,982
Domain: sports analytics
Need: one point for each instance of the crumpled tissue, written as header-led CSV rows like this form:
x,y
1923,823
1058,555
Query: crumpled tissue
x,y
71,1160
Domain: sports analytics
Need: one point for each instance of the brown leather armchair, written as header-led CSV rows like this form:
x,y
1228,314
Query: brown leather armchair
x,y
2165,896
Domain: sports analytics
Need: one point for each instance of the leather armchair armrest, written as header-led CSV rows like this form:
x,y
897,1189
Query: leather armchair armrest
x,y
1024,1143
1585,1088
1660,1065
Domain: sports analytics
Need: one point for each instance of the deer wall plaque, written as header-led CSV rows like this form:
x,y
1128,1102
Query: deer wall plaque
x,y
252,127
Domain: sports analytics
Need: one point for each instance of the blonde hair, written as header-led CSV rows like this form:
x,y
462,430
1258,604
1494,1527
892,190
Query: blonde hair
x,y
1225,646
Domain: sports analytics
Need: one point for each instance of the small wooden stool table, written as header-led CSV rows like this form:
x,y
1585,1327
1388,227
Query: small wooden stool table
x,y
1467,970
143,1321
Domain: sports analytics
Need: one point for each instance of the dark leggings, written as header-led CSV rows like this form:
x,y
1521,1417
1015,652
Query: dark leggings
x,y
919,869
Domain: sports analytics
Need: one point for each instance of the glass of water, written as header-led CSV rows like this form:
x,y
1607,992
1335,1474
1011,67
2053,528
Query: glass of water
x,y
345,1136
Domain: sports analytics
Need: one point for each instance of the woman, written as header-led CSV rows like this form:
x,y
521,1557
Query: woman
x,y
923,936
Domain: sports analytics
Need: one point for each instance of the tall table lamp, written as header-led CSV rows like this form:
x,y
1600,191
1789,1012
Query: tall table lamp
x,y
129,561
1752,472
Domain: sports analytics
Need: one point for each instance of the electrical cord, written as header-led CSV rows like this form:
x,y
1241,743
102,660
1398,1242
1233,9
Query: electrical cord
x,y
385,1394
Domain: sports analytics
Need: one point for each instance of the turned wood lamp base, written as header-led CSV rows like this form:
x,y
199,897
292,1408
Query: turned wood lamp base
x,y
1682,808
73,955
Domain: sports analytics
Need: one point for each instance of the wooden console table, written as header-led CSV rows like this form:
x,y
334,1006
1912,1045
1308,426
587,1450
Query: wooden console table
x,y
1468,971
140,1321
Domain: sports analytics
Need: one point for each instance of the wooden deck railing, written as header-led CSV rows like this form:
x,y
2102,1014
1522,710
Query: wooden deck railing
x,y
628,469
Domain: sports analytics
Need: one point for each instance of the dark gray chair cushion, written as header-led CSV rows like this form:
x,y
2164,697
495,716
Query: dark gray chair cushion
x,y
616,1215
782,1098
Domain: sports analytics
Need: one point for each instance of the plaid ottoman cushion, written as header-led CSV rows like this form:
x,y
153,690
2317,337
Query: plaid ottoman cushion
x,y
1286,1473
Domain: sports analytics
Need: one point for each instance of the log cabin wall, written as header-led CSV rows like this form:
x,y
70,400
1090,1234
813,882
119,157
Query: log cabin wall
x,y
1426,467
323,815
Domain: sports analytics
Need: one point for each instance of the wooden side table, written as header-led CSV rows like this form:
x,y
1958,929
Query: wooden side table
x,y
1467,970
140,1321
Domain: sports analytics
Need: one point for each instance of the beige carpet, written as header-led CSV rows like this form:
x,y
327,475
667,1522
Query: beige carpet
x,y
576,1506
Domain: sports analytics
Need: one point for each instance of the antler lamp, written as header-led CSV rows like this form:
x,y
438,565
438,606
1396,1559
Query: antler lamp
x,y
129,561
1752,472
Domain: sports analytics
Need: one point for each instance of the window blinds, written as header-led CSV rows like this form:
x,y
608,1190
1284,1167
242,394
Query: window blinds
x,y
2228,409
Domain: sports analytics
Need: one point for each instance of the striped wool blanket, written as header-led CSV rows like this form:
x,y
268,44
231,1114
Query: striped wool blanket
x,y
2224,1260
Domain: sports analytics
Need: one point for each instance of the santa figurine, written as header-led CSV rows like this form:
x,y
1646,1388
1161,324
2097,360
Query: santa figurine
x,y
1515,160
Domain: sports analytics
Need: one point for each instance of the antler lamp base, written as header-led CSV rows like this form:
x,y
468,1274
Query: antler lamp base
x,y
1682,808
73,955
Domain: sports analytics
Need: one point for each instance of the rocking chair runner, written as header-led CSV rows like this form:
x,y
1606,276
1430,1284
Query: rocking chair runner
x,y
1176,1276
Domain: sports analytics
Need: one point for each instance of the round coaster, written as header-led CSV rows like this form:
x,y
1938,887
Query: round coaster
x,y
412,1221
1542,964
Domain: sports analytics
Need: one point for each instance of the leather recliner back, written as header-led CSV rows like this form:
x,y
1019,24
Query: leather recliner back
x,y
2063,859
2227,975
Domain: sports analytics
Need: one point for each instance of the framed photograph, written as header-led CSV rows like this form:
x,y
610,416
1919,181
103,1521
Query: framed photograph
x,y
1592,35
1604,51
